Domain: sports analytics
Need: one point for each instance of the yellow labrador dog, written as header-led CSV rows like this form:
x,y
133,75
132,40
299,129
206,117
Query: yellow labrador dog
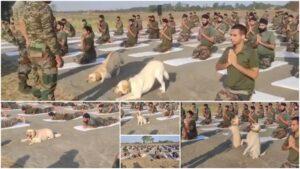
x,y
141,83
234,128
253,142
111,64
141,119
37,136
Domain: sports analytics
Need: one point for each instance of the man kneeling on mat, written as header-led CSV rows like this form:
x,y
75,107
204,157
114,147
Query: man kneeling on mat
x,y
94,122
132,35
283,121
31,110
189,127
169,111
88,47
152,108
166,37
245,113
64,116
207,115
227,116
206,37
270,113
8,122
242,63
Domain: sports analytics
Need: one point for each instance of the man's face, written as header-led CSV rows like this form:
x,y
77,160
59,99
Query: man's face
x,y
58,27
164,24
118,19
262,26
290,19
220,19
204,21
130,22
85,120
236,36
252,22
100,19
282,108
294,126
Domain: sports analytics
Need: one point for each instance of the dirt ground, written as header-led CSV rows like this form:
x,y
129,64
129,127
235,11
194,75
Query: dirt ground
x,y
94,149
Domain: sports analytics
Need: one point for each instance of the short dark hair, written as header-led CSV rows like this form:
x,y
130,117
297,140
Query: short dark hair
x,y
118,16
64,19
101,16
295,118
165,20
205,16
191,112
88,28
263,21
253,19
184,16
83,20
240,27
86,115
252,108
60,23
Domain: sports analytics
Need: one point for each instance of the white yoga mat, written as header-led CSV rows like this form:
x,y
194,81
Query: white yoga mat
x,y
274,65
211,125
189,42
167,118
117,42
9,47
289,83
269,138
18,125
210,128
73,65
126,118
261,96
193,45
121,47
152,53
29,115
73,41
72,54
183,61
285,54
198,138
12,53
81,128
152,114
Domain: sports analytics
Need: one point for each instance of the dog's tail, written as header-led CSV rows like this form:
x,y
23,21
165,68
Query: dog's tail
x,y
166,75
57,135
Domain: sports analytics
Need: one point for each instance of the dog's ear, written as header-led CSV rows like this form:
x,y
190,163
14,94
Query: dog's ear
x,y
126,87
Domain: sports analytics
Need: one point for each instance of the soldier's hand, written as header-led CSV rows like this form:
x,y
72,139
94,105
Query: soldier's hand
x,y
258,39
59,61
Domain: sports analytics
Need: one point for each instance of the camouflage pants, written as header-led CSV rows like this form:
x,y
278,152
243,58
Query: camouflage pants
x,y
268,121
279,133
86,58
292,47
128,43
205,121
64,50
10,122
220,39
66,116
103,39
119,32
162,47
202,52
224,124
244,118
33,110
265,61
23,69
183,37
173,30
43,76
225,94
153,35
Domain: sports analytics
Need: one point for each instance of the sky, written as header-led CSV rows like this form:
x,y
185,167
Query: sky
x,y
113,5
132,139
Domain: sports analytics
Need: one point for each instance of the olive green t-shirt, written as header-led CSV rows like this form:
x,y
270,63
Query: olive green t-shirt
x,y
286,117
266,37
209,31
236,80
62,37
293,156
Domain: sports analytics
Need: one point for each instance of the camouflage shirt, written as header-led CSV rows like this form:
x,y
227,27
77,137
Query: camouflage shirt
x,y
39,22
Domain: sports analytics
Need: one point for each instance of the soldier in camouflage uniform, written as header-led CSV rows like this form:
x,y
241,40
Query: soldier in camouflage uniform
x,y
252,32
245,113
283,120
265,43
68,28
15,37
227,116
131,35
186,27
207,115
166,37
104,31
172,25
240,80
153,28
62,38
207,39
270,113
119,27
139,22
293,35
88,47
221,29
195,19
43,48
